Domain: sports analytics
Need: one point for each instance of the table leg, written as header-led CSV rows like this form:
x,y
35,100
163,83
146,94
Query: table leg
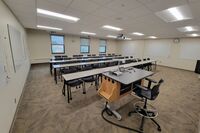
x,y
63,91
155,65
55,75
68,95
115,113
50,67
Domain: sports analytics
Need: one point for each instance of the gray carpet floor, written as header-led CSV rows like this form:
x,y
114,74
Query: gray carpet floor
x,y
43,109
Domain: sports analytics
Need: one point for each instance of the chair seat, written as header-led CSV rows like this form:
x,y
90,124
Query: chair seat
x,y
74,83
89,79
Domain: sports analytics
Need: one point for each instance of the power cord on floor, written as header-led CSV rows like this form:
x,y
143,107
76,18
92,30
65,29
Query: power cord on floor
x,y
121,126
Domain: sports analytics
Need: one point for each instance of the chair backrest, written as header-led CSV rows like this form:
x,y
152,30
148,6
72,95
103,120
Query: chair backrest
x,y
156,89
87,67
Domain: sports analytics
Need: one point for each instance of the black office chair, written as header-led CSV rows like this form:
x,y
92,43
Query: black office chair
x,y
147,93
89,79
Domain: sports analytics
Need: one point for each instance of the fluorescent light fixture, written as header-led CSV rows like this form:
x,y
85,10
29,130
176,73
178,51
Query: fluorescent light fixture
x,y
127,38
152,37
193,35
137,33
46,13
48,27
111,36
188,28
174,14
88,33
112,28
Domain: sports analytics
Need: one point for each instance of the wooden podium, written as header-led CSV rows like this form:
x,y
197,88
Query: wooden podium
x,y
112,90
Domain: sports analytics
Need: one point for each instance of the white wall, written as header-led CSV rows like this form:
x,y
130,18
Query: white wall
x,y
12,90
40,46
141,47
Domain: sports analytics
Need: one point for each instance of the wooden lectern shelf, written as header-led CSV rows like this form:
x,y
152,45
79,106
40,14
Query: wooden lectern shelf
x,y
112,90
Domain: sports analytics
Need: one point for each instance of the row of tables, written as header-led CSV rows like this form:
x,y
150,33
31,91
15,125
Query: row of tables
x,y
129,77
89,59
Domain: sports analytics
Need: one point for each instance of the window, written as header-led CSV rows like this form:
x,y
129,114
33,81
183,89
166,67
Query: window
x,y
85,45
57,44
102,46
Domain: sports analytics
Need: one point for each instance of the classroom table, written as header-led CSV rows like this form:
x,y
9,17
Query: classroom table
x,y
81,74
52,62
58,66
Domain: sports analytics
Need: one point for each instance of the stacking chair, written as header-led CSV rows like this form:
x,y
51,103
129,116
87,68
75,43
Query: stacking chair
x,y
58,57
114,63
89,79
142,108
147,66
72,83
128,61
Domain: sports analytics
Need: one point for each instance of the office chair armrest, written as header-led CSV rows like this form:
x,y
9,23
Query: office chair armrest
x,y
141,87
151,80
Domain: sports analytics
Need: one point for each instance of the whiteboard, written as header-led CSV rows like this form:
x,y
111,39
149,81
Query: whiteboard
x,y
157,48
190,49
17,47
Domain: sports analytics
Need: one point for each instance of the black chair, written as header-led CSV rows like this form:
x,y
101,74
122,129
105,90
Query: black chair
x,y
114,63
128,61
147,93
89,79
58,57
72,83
126,57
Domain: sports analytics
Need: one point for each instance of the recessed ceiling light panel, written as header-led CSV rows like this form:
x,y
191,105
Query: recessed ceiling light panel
x,y
174,14
50,14
112,28
88,33
138,34
48,27
111,36
193,35
152,37
127,38
188,28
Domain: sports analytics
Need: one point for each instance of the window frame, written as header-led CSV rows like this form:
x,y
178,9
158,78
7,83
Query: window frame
x,y
85,45
102,45
58,44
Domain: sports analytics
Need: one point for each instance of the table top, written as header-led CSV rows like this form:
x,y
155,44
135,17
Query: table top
x,y
76,75
129,76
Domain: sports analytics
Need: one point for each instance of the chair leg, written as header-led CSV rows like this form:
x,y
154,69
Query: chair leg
x,y
96,84
70,92
84,91
63,90
158,126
